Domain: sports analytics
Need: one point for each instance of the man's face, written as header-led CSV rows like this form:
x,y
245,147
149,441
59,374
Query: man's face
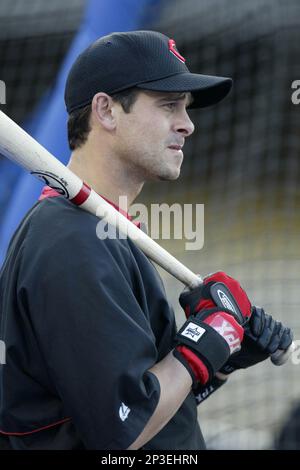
x,y
151,136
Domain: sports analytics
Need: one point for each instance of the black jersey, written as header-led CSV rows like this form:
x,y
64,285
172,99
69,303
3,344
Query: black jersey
x,y
83,320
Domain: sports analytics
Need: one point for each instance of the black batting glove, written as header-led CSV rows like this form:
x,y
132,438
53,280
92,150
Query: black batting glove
x,y
263,336
202,392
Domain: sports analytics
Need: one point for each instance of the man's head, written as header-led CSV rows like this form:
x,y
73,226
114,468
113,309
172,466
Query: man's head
x,y
123,84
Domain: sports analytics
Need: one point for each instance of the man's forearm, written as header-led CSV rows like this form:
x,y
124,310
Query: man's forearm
x,y
175,384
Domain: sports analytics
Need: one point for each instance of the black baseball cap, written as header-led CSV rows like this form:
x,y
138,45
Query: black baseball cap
x,y
144,59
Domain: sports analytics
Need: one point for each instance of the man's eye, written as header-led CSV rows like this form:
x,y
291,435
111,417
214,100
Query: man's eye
x,y
171,105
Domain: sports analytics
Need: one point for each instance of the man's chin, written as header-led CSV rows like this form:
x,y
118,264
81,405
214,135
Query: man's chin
x,y
171,176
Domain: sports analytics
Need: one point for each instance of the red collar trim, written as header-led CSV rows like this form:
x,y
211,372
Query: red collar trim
x,y
49,192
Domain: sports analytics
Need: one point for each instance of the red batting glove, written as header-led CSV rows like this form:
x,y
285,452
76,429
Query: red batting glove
x,y
217,290
223,305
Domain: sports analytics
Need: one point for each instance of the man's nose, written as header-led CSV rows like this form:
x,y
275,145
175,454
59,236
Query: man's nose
x,y
184,125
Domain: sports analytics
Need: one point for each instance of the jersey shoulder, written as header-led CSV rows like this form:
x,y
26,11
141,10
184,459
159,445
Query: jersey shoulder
x,y
56,227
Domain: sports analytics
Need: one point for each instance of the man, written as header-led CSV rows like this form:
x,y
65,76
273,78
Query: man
x,y
93,360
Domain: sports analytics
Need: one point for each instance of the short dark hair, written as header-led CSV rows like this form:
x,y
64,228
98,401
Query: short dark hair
x,y
79,120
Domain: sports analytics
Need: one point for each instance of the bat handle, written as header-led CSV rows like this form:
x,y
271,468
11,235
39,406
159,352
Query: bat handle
x,y
280,356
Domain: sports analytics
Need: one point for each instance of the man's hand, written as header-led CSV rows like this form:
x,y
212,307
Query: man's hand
x,y
263,336
213,332
218,290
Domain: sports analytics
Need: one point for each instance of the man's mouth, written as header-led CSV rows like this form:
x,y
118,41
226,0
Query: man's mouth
x,y
175,147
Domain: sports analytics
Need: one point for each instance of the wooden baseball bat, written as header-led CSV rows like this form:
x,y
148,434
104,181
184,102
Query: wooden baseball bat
x,y
24,150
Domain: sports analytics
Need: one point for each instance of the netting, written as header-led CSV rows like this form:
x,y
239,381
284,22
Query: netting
x,y
242,162
34,38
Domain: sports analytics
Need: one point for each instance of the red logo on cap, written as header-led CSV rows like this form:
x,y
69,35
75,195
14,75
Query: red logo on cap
x,y
173,49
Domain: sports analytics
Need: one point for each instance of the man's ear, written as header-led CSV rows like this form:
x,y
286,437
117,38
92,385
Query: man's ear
x,y
103,111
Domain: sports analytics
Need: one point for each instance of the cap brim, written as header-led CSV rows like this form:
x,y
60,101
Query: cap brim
x,y
206,89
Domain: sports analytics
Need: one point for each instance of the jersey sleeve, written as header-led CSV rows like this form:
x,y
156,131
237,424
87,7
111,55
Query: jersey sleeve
x,y
96,341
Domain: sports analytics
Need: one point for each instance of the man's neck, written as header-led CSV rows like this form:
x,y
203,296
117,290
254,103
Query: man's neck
x,y
106,176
